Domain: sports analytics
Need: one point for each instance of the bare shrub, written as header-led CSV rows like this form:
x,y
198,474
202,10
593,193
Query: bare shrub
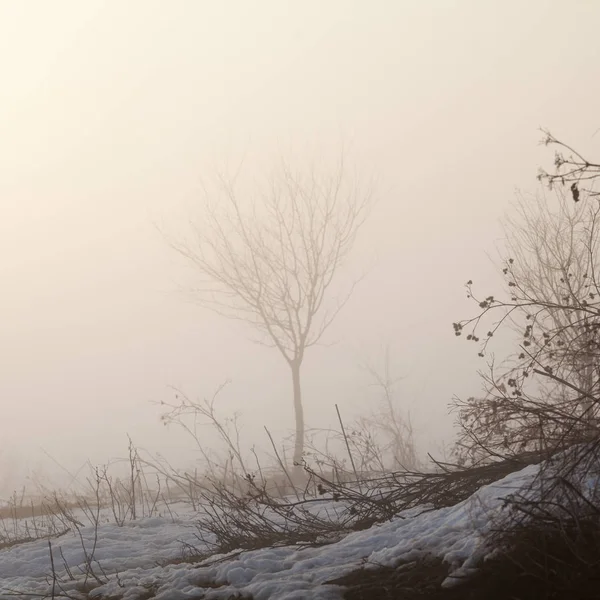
x,y
379,441
543,402
545,396
549,533
240,506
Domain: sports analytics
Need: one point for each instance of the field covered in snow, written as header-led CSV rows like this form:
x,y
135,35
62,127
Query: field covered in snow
x,y
146,557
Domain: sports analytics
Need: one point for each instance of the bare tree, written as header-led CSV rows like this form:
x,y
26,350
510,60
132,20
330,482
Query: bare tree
x,y
547,395
270,256
554,250
389,428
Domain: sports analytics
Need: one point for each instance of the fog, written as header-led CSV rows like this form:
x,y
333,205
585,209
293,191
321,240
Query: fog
x,y
113,112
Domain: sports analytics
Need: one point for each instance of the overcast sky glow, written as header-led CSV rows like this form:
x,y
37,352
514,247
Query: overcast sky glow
x,y
112,111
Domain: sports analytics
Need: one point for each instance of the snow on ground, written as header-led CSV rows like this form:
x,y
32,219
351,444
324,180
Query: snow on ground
x,y
284,573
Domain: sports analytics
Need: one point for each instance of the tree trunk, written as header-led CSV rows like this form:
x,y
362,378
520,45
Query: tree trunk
x,y
299,418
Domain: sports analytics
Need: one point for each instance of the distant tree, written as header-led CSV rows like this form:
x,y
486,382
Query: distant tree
x,y
270,256
547,394
387,429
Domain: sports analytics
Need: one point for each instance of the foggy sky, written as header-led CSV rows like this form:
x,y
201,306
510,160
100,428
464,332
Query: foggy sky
x,y
110,114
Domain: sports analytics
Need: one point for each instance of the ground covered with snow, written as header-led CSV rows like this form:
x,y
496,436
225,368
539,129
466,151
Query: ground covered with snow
x,y
146,558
